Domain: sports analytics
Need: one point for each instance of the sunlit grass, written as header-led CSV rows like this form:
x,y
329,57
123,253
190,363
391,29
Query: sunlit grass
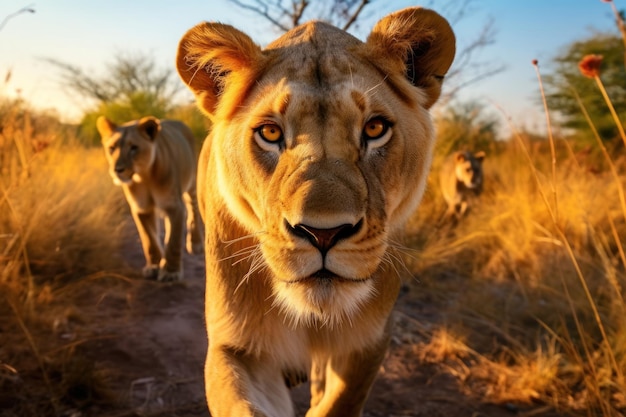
x,y
529,287
60,212
536,292
61,220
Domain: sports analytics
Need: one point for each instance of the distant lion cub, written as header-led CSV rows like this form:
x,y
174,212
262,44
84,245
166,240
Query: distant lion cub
x,y
461,178
154,161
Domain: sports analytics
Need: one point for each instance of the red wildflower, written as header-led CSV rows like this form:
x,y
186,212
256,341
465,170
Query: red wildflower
x,y
589,66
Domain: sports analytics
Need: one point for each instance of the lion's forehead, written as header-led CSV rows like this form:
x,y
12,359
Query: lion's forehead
x,y
316,122
317,54
346,102
324,70
312,38
123,138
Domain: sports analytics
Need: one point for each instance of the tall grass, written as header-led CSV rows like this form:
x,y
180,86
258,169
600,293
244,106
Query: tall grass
x,y
60,221
541,297
60,214
530,305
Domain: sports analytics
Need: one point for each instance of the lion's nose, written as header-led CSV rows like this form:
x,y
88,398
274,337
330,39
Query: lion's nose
x,y
324,239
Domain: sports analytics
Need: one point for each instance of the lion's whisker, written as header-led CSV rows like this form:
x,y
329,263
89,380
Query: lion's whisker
x,y
257,264
376,86
245,252
240,238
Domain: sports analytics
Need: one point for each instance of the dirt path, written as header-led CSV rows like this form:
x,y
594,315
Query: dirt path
x,y
149,339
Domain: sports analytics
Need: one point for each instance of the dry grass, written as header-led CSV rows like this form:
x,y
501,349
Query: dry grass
x,y
538,297
531,309
60,221
528,288
57,204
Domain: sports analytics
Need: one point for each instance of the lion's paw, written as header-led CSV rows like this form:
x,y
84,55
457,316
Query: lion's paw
x,y
169,276
150,271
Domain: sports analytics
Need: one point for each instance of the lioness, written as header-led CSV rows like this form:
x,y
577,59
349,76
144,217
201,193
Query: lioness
x,y
155,163
318,154
461,178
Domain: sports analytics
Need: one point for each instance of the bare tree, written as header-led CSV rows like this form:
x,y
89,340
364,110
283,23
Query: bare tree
x,y
467,69
126,75
284,15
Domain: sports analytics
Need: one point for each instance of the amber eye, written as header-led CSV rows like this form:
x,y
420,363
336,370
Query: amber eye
x,y
270,133
375,128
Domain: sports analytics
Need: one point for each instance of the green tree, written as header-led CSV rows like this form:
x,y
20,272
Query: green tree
x,y
566,79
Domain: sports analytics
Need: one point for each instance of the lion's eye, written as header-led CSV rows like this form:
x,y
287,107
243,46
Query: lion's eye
x,y
376,132
375,128
270,133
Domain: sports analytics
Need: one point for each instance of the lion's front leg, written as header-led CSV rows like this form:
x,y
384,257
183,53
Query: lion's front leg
x,y
171,264
146,223
238,385
195,243
340,385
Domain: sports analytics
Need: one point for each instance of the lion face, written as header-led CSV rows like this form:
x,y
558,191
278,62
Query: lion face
x,y
469,169
321,148
129,149
324,178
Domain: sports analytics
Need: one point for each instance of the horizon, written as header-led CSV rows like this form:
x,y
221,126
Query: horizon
x,y
525,31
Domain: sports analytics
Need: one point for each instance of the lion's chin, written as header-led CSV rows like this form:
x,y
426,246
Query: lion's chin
x,y
322,299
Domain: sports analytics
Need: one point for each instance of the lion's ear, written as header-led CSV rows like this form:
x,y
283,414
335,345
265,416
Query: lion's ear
x,y
480,156
208,54
150,126
420,42
105,127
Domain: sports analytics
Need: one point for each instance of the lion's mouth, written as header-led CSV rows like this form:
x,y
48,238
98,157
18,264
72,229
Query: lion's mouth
x,y
324,277
120,180
125,177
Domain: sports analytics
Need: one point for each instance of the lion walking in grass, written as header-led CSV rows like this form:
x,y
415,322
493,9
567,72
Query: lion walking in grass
x,y
319,152
461,180
155,163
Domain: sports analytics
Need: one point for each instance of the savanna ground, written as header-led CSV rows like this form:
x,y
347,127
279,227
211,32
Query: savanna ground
x,y
517,310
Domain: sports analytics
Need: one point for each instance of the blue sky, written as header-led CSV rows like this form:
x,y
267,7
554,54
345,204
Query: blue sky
x,y
89,33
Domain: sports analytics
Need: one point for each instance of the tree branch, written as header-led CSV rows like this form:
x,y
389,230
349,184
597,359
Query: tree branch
x,y
27,9
264,11
298,11
356,14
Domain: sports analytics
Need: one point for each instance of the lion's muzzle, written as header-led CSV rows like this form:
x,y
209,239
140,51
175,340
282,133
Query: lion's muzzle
x,y
324,239
122,175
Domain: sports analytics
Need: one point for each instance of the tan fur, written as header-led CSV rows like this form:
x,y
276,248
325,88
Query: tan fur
x,y
154,161
461,179
300,275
